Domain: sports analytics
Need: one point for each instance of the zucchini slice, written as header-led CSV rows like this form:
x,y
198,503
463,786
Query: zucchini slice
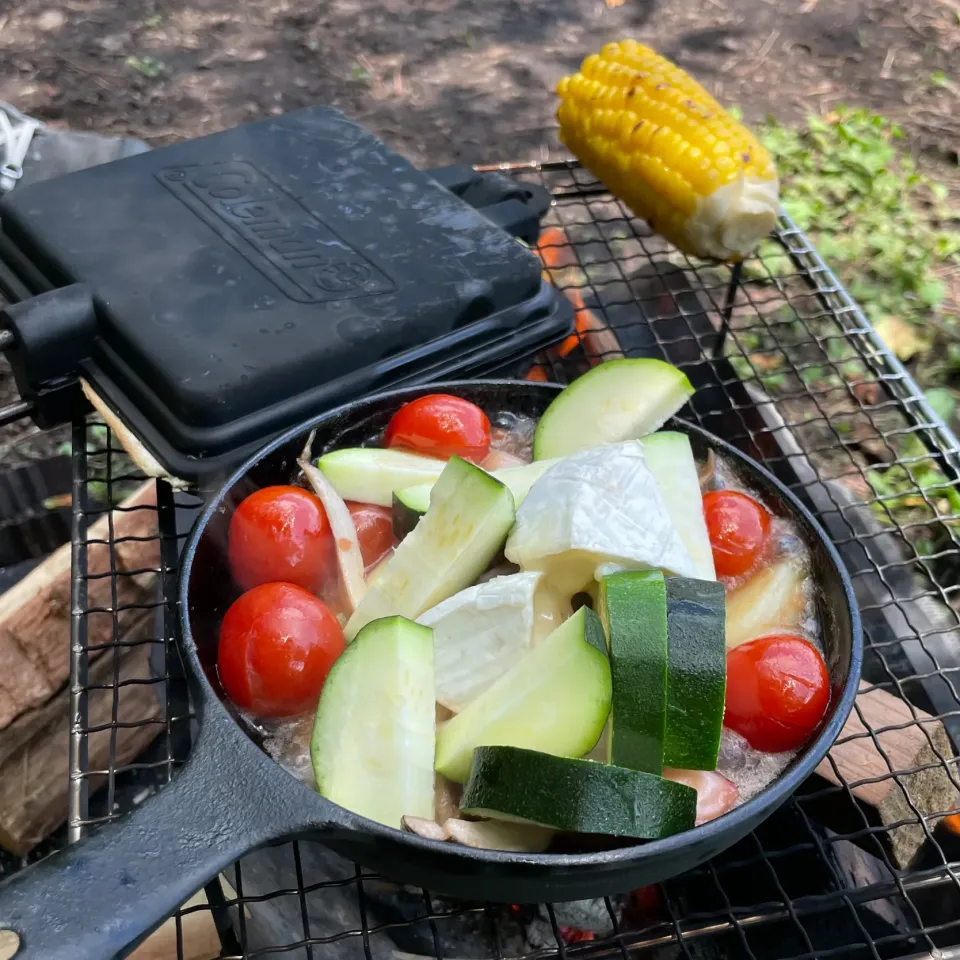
x,y
410,503
633,608
373,738
616,400
696,673
371,474
578,796
556,699
469,517
670,459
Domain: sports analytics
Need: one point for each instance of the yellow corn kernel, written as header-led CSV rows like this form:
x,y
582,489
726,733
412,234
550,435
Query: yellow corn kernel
x,y
664,146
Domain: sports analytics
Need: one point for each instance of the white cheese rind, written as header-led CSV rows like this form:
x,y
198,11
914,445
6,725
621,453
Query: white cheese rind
x,y
598,507
481,632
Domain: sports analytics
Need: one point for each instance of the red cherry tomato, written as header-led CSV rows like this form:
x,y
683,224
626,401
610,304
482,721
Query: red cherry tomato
x,y
778,690
374,530
440,426
737,526
281,534
277,644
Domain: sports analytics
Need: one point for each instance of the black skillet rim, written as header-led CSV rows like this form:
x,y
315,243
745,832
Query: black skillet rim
x,y
758,807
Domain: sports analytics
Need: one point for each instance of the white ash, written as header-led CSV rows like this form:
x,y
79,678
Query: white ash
x,y
590,915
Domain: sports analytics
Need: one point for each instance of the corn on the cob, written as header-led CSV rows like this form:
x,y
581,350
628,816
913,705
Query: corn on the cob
x,y
657,140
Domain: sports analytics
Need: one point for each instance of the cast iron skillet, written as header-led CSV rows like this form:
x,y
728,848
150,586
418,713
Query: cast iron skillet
x,y
105,893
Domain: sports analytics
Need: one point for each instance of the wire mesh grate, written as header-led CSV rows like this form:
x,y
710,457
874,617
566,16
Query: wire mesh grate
x,y
786,368
130,718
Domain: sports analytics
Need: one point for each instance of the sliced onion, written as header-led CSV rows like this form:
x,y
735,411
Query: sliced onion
x,y
771,601
376,568
706,469
483,834
349,557
428,829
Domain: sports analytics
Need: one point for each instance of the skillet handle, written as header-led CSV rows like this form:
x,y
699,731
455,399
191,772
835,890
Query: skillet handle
x,y
101,896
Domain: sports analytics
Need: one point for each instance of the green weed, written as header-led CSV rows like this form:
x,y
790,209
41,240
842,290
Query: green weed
x,y
877,220
148,66
917,494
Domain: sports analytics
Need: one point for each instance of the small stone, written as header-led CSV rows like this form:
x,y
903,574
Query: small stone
x,y
51,20
114,42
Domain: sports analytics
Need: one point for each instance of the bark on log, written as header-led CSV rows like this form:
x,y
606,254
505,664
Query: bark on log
x,y
35,613
34,749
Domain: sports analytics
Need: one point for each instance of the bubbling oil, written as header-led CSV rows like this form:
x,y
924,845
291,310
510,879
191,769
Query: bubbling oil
x,y
287,741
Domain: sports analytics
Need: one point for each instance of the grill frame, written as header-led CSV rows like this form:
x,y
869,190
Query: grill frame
x,y
591,218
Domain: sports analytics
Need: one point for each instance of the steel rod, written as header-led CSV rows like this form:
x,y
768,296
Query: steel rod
x,y
78,811
15,411
11,286
736,275
22,266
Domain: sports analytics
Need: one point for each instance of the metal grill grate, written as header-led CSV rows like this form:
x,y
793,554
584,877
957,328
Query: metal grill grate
x,y
788,369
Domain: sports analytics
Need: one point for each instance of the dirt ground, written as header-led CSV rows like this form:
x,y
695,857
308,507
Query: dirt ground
x,y
454,80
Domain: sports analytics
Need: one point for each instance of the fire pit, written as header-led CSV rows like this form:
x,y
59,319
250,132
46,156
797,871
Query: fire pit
x,y
863,859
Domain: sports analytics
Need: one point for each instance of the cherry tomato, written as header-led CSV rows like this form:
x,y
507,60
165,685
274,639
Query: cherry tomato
x,y
374,530
277,644
737,526
440,426
281,533
777,691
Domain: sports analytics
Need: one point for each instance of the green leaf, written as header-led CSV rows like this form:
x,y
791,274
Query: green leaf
x,y
899,337
943,402
932,292
879,483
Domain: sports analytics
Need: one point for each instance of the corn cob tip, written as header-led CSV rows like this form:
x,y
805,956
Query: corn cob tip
x,y
662,144
731,221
